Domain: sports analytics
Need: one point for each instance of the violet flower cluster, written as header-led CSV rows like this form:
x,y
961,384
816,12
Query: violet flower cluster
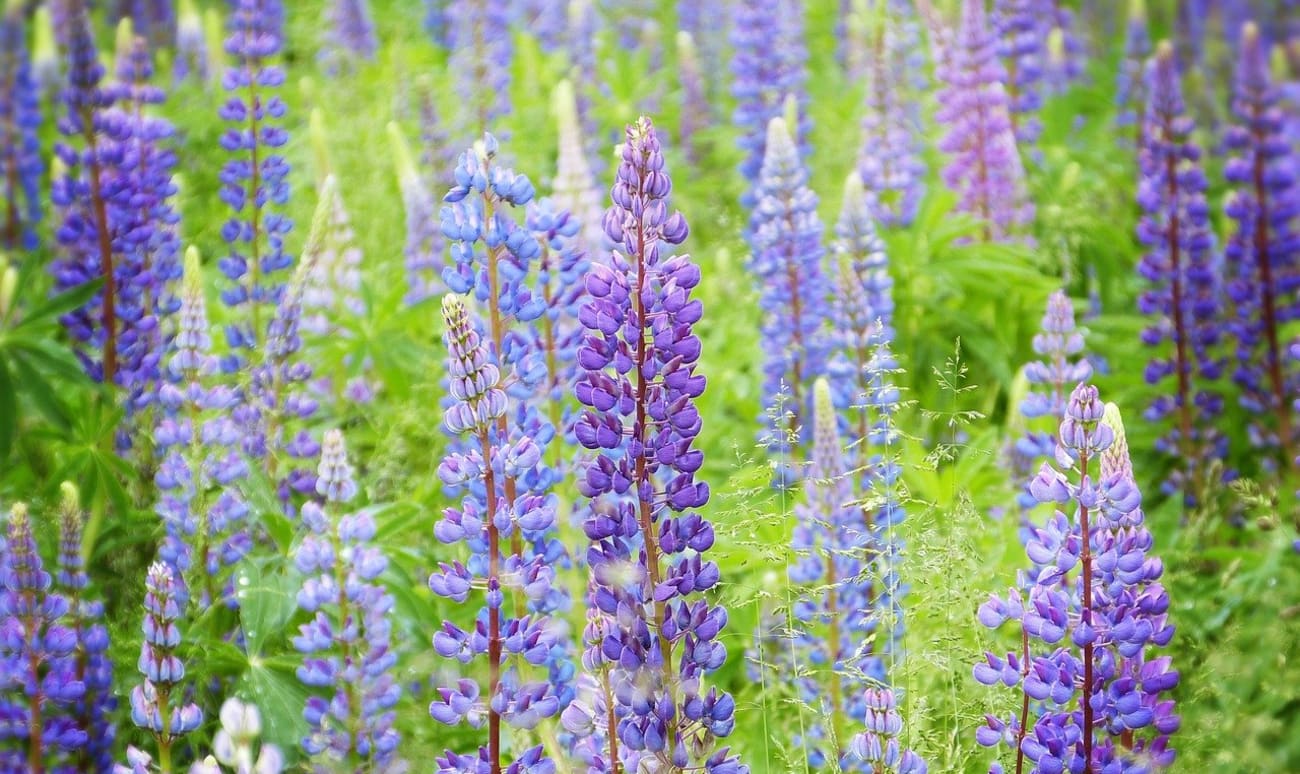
x,y
424,252
1182,287
1021,45
1091,613
696,110
20,146
199,444
158,704
658,638
1051,380
878,746
1131,82
350,35
347,644
193,59
984,166
785,234
769,65
38,660
254,182
232,747
574,187
481,53
889,161
1263,253
581,37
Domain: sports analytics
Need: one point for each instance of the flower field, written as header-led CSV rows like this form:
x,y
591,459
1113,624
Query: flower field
x,y
647,387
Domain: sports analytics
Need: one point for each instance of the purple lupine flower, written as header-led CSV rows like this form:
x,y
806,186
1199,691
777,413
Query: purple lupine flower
x,y
1090,614
331,293
154,19
81,195
574,187
40,651
45,51
254,181
347,644
878,745
702,20
20,146
351,34
483,523
192,56
93,711
984,166
889,161
1066,50
1180,269
435,21
1130,89
198,443
425,252
696,110
232,747
786,235
481,51
628,18
1021,47
769,65
648,542
1263,254
1063,366
580,40
545,20
158,704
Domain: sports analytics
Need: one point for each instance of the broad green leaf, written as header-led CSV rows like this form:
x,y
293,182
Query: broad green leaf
x,y
267,592
280,697
64,302
8,410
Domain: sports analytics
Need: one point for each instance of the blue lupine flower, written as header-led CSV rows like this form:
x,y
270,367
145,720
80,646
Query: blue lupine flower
x,y
424,252
347,645
193,60
658,638
254,183
1021,47
574,187
351,34
878,745
158,704
1130,89
20,145
889,160
481,51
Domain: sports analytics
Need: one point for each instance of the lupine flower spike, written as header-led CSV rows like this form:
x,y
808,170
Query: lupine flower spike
x,y
889,160
40,651
1020,46
233,747
878,746
1091,613
481,53
350,36
574,187
1182,291
347,645
984,166
158,704
192,57
425,252
20,147
1263,254
696,110
658,639
786,235
1130,91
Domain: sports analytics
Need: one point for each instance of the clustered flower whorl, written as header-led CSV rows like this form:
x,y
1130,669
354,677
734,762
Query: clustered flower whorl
x,y
254,183
1130,89
1091,613
786,235
20,146
347,644
39,655
984,167
1182,290
889,161
351,34
574,187
1021,45
193,59
657,639
878,745
481,53
769,66
1263,254
158,704
425,252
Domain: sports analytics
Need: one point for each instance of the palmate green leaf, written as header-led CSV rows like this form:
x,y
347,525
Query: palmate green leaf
x,y
265,508
267,591
41,393
280,697
52,358
51,309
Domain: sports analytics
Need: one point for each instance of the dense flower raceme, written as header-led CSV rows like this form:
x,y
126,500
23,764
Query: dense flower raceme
x,y
703,21
1063,365
20,147
654,637
351,34
785,234
574,187
878,746
889,160
201,462
769,65
1263,254
424,251
155,20
544,20
38,660
1017,28
696,111
347,644
581,38
1182,287
193,59
1091,613
1130,91
94,710
232,747
481,53
158,705
984,166
254,182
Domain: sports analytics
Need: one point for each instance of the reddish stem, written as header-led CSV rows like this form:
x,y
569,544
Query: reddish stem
x,y
1086,615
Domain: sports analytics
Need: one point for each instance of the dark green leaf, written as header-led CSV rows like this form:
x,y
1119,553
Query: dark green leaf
x,y
60,304
41,393
267,592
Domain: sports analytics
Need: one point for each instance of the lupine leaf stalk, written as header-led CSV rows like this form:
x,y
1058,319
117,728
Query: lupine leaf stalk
x,y
1182,287
1263,253
39,649
254,182
20,146
347,644
786,235
659,638
984,166
1091,613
